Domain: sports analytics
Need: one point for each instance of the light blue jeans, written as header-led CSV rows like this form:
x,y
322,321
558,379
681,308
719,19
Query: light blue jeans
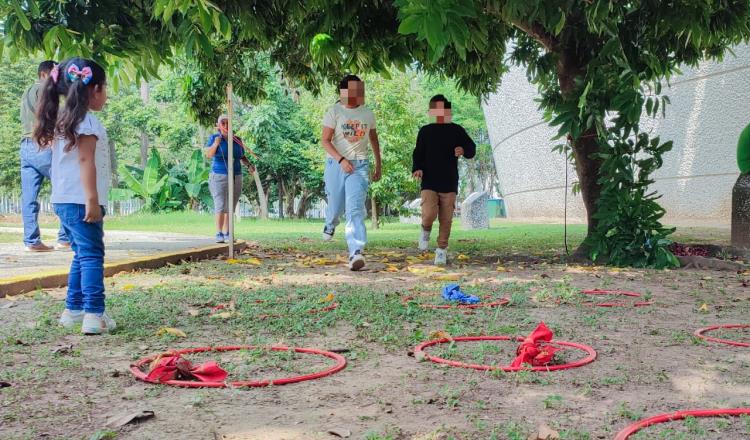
x,y
346,193
35,166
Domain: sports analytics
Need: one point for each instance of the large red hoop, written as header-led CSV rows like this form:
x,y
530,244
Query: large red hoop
x,y
340,365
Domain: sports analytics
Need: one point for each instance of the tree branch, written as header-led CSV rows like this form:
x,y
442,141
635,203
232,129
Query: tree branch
x,y
538,33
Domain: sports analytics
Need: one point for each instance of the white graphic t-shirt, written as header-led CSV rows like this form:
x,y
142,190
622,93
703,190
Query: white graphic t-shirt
x,y
351,129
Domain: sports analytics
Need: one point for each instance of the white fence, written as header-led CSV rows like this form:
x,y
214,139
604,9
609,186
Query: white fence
x,y
11,205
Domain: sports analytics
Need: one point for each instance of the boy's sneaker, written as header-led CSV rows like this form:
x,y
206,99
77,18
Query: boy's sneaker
x,y
39,247
356,261
328,233
424,240
69,318
97,323
441,257
62,246
220,238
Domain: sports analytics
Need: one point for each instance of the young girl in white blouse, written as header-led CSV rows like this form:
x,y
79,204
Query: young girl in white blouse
x,y
80,177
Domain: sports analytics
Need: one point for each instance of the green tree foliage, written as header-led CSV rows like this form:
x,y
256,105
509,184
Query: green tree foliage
x,y
589,58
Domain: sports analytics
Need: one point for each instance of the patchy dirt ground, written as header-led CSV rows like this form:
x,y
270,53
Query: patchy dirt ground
x,y
64,385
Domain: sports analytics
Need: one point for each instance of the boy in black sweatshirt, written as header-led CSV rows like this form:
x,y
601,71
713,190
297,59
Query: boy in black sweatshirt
x,y
435,162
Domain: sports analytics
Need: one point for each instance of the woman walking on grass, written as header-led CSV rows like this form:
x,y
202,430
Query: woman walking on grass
x,y
348,131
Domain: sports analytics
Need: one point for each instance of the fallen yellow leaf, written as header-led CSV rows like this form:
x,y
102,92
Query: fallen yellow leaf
x,y
425,270
462,257
703,308
171,331
501,269
391,268
440,334
224,315
128,287
254,261
328,298
233,261
447,277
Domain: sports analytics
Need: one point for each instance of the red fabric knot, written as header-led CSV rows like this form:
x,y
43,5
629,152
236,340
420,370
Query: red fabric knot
x,y
531,352
171,367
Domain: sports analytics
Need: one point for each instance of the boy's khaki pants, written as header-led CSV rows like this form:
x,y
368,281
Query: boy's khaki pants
x,y
440,206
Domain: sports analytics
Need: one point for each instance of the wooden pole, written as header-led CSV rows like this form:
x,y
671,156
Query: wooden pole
x,y
230,171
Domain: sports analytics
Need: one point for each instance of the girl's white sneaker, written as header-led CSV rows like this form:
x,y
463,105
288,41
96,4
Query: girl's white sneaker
x,y
69,318
441,257
97,323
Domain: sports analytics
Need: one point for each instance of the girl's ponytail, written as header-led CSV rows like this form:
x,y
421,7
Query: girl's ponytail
x,y
46,111
71,78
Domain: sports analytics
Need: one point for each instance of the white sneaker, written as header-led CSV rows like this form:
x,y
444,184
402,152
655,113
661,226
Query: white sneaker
x,y
356,261
441,257
424,240
69,318
327,234
95,324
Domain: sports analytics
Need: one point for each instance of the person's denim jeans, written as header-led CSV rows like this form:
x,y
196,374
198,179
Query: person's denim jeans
x,y
35,166
86,278
347,193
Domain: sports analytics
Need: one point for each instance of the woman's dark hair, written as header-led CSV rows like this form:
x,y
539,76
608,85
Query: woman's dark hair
x,y
72,80
45,67
440,98
344,83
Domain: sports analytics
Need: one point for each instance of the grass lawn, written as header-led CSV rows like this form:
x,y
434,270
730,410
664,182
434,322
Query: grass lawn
x,y
503,238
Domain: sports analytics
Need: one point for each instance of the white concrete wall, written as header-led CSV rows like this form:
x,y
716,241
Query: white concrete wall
x,y
710,107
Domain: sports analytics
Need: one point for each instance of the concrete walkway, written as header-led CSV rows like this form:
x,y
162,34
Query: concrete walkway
x,y
120,246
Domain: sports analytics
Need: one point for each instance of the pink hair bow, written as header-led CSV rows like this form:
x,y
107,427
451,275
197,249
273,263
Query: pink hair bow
x,y
85,74
55,73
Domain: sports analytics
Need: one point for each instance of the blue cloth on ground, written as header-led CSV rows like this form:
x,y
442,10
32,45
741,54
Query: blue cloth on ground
x,y
452,292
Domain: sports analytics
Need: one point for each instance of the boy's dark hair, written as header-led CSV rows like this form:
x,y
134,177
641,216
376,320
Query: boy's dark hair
x,y
45,67
344,83
440,98
75,88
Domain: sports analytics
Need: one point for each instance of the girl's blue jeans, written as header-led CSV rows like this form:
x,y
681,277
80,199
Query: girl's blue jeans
x,y
86,278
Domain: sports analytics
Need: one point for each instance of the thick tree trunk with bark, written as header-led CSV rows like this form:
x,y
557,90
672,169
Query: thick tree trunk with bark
x,y
280,188
304,203
587,167
291,194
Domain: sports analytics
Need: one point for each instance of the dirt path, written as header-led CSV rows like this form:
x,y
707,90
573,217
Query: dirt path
x,y
648,361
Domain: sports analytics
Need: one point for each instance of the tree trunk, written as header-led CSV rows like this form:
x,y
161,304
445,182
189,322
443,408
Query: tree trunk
x,y
587,168
144,134
304,201
262,197
280,188
291,194
374,213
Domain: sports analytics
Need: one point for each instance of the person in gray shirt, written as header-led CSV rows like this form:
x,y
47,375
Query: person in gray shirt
x,y
35,167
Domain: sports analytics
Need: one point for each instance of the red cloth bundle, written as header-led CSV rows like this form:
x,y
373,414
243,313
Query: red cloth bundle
x,y
176,367
531,352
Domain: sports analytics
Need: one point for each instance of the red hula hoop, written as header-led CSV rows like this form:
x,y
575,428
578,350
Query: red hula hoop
x,y
679,415
311,312
501,302
699,333
617,292
419,349
135,368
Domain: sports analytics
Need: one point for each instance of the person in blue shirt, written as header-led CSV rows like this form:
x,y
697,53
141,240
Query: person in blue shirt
x,y
217,148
